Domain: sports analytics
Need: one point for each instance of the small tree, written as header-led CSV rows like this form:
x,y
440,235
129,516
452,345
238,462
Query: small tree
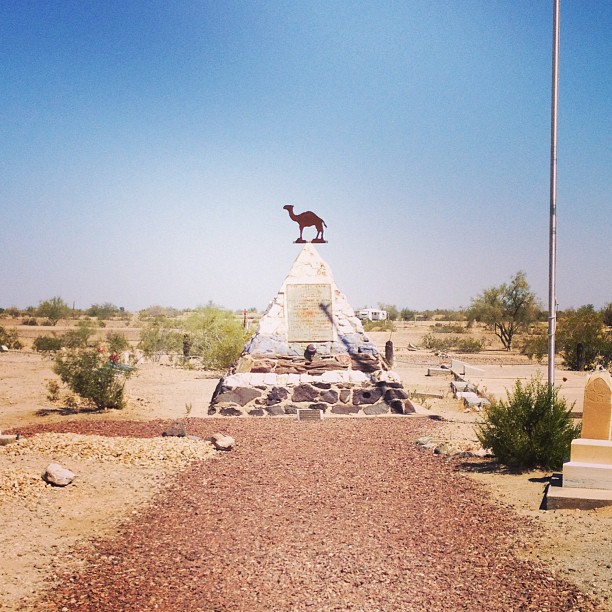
x,y
79,336
53,309
10,339
393,312
532,428
606,314
91,375
508,308
216,336
582,339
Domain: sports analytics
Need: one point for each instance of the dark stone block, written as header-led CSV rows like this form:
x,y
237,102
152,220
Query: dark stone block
x,y
256,412
212,410
344,409
376,409
329,397
321,385
321,407
277,395
395,394
176,430
408,407
304,393
397,406
275,410
240,395
345,395
366,396
230,411
290,410
389,385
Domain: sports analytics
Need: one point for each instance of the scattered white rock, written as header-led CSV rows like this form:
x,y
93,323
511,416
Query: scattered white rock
x,y
222,442
58,475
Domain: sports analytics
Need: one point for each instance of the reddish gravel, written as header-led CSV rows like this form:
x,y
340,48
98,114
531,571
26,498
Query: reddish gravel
x,y
342,514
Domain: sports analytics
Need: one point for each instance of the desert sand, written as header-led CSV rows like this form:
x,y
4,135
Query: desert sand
x,y
43,524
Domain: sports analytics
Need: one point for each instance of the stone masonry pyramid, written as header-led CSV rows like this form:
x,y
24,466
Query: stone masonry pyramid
x,y
309,351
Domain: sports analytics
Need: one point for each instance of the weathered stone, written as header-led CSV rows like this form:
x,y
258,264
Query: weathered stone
x,y
290,410
376,409
275,410
345,395
334,376
395,394
304,393
409,407
344,409
8,439
365,362
321,385
222,442
239,395
176,430
230,411
256,412
58,475
321,407
237,380
277,395
397,406
329,397
366,396
597,410
357,377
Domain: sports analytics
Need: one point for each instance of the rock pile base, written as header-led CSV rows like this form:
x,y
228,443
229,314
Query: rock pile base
x,y
342,385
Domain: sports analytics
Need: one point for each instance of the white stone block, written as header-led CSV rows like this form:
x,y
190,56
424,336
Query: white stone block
x,y
293,379
270,379
587,475
257,379
334,376
355,376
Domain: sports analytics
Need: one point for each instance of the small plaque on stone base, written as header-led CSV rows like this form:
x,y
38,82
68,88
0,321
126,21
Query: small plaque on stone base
x,y
309,414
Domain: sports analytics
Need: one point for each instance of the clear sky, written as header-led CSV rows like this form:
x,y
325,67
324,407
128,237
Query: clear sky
x,y
148,147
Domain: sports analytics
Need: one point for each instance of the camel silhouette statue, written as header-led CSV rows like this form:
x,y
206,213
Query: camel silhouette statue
x,y
307,219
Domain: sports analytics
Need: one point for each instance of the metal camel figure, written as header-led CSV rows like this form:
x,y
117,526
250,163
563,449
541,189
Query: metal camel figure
x,y
307,219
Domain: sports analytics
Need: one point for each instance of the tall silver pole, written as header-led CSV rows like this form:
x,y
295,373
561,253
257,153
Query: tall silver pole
x,y
552,300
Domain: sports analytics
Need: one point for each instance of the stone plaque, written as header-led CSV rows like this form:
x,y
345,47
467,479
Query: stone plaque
x,y
597,407
309,313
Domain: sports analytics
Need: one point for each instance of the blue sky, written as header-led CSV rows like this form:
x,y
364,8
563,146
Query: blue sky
x,y
148,149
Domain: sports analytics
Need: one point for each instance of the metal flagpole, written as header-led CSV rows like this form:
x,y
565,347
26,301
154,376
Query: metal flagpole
x,y
552,300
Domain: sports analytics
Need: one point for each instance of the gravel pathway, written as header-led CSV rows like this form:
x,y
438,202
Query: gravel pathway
x,y
342,514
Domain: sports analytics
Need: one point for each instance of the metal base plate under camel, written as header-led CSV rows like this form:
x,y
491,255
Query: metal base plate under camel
x,y
310,352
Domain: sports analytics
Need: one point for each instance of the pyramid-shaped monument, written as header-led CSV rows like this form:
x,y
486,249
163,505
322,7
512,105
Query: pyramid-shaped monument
x,y
309,352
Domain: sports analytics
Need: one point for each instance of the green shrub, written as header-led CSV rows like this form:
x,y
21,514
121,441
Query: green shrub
x,y
117,342
160,337
9,338
386,325
47,344
216,337
532,428
79,336
470,345
91,375
439,344
449,329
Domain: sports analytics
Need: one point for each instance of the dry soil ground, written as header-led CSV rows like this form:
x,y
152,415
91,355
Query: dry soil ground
x,y
42,524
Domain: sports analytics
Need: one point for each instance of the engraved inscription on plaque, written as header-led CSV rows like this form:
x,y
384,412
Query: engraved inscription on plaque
x,y
309,313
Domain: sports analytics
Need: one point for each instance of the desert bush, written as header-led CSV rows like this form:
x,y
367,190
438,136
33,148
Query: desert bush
x,y
9,338
535,347
29,321
386,325
445,343
215,335
442,328
91,375
79,336
606,315
470,345
117,342
531,428
160,337
47,344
